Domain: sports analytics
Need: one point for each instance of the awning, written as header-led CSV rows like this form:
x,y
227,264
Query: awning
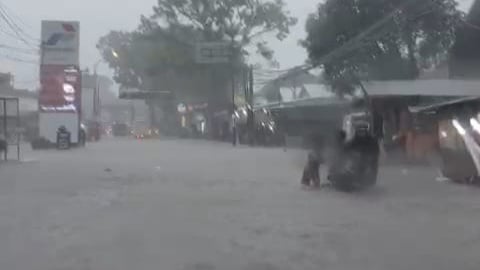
x,y
442,105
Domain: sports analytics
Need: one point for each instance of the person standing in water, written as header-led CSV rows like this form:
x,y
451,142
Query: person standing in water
x,y
311,171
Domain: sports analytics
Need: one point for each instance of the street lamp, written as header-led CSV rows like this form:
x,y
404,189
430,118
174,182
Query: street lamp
x,y
114,53
96,91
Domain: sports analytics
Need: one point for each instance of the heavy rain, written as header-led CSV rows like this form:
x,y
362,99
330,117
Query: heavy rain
x,y
239,134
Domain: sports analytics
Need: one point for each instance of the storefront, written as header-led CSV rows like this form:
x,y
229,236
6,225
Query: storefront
x,y
458,135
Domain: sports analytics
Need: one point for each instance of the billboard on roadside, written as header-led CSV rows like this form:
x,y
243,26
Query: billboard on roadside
x,y
59,100
60,43
213,52
60,89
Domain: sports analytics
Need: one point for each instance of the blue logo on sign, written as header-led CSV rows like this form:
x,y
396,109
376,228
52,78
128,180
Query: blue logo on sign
x,y
57,37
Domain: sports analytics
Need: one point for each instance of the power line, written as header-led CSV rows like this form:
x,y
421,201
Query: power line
x,y
5,10
476,27
15,16
29,81
18,32
271,71
25,52
18,60
22,51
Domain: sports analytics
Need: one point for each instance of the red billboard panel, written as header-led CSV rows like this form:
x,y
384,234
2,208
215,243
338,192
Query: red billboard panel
x,y
60,88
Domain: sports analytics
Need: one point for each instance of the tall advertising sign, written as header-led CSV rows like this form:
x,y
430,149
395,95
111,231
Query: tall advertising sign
x,y
60,89
60,79
60,43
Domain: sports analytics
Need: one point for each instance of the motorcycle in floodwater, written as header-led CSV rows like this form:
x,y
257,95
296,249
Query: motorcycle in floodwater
x,y
354,170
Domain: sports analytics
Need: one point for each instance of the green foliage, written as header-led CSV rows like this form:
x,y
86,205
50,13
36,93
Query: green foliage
x,y
120,43
164,42
142,54
237,21
403,37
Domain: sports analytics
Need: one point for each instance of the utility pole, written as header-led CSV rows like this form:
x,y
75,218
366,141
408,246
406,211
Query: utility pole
x,y
5,127
96,101
251,112
234,119
132,113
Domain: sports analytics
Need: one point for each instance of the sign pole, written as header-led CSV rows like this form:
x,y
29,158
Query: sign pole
x,y
220,52
5,126
234,119
18,127
251,112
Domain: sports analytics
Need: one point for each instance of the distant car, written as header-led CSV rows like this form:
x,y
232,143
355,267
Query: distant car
x,y
120,130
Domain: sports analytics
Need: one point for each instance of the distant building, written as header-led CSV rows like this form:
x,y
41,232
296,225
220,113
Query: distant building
x,y
89,83
287,87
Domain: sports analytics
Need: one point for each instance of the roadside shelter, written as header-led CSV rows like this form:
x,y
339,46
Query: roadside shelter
x,y
10,133
458,134
413,138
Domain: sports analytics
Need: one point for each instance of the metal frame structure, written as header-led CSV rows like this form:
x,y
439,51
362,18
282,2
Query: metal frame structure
x,y
4,120
459,158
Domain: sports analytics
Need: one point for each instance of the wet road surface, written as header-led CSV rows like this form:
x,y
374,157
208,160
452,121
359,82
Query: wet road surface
x,y
192,205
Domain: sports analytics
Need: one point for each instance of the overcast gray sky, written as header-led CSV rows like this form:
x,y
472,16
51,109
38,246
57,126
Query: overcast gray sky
x,y
98,17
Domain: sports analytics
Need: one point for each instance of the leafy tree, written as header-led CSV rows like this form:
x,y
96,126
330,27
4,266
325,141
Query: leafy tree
x,y
237,21
159,55
139,55
162,46
111,46
380,39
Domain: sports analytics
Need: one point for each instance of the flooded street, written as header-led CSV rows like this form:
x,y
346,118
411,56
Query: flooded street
x,y
125,204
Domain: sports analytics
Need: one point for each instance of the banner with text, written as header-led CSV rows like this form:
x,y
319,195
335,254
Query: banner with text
x,y
60,89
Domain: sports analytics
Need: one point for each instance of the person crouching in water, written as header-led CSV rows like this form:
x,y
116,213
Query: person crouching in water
x,y
311,171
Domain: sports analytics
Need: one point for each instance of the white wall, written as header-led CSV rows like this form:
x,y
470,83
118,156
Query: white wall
x,y
50,122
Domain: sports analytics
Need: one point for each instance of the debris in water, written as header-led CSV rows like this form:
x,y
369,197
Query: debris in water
x,y
442,179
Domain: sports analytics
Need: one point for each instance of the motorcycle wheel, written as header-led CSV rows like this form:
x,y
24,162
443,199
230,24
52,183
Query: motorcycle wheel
x,y
343,181
350,175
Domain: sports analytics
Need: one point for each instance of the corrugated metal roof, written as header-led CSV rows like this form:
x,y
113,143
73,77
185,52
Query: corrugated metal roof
x,y
425,88
453,88
439,105
319,91
308,102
